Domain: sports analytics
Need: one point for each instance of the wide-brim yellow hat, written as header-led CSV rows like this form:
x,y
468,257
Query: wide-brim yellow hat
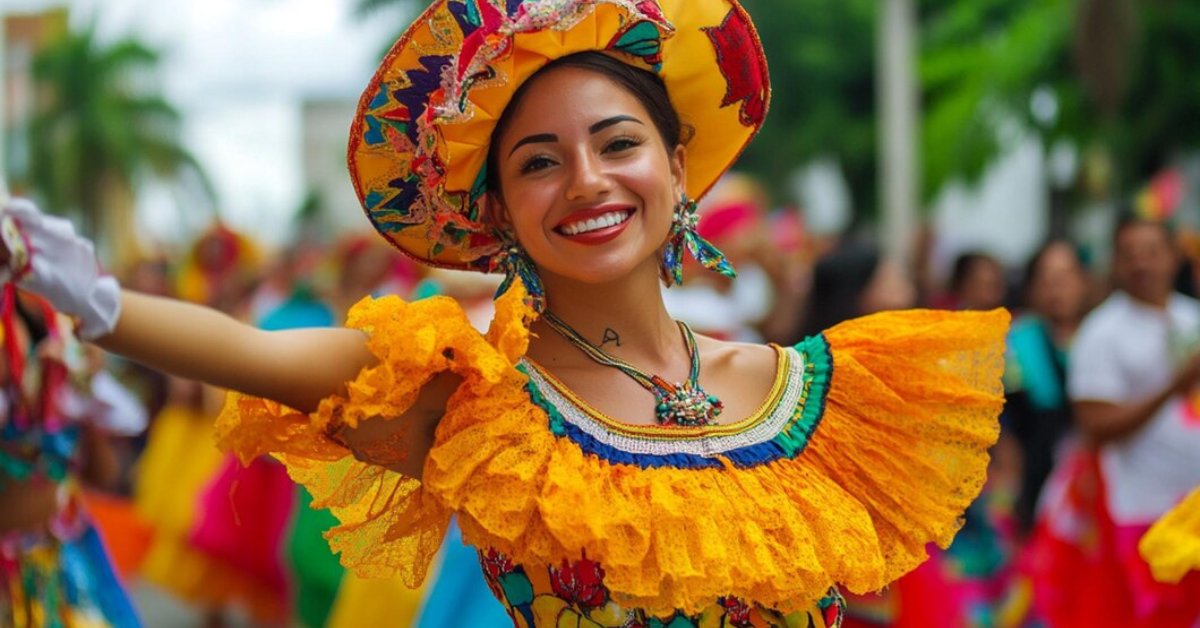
x,y
419,141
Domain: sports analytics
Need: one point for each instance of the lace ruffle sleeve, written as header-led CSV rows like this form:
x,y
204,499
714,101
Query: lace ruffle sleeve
x,y
389,525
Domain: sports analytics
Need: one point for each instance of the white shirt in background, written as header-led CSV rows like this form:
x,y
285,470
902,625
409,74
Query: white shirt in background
x,y
1127,351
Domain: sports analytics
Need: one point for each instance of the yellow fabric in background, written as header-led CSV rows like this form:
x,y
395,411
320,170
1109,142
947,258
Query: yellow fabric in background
x,y
178,463
375,602
1172,545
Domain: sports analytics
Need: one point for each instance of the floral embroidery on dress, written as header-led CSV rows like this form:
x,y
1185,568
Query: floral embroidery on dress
x,y
574,594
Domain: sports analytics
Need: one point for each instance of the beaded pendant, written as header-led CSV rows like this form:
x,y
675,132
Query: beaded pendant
x,y
686,406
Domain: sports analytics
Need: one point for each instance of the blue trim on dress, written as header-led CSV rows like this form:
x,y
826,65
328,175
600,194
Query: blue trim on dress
x,y
791,441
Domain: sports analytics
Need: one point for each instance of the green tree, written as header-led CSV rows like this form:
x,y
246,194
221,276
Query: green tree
x,y
101,128
1117,71
821,56
980,64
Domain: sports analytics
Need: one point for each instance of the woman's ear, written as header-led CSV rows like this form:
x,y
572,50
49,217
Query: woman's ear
x,y
678,159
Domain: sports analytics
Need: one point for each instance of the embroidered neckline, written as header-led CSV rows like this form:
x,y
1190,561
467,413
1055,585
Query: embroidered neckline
x,y
761,426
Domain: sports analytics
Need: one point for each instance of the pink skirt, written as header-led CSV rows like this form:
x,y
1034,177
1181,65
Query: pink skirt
x,y
244,514
1085,568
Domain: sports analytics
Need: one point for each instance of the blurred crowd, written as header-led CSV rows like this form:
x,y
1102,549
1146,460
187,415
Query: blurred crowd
x,y
1072,480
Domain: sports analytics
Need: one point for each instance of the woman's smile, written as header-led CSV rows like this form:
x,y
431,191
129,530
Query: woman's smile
x,y
596,225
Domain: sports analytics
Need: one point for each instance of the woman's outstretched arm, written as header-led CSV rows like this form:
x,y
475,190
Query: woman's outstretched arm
x,y
297,368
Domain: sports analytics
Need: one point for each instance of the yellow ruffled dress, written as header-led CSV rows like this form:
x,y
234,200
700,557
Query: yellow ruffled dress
x,y
873,442
1172,545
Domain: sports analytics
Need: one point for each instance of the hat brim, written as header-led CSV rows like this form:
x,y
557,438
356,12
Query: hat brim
x,y
419,140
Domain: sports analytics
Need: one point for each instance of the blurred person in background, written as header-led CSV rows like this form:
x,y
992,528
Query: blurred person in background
x,y
1037,412
151,274
1135,364
364,266
1172,545
184,483
56,411
795,250
853,280
976,283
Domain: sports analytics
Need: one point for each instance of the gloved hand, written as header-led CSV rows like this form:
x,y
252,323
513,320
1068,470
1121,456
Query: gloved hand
x,y
44,255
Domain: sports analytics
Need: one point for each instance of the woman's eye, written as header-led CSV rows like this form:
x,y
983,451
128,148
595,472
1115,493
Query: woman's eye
x,y
535,163
620,144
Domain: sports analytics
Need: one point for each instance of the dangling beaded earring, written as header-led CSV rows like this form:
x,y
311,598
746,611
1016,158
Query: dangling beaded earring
x,y
683,234
515,263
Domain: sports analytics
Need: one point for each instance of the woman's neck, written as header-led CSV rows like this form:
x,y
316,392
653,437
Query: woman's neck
x,y
625,318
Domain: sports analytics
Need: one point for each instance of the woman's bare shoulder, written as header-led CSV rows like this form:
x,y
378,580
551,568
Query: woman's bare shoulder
x,y
739,361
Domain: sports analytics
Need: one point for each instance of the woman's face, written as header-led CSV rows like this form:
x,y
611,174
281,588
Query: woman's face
x,y
586,181
1059,287
983,288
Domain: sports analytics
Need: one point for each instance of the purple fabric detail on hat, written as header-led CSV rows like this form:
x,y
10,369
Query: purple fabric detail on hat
x,y
461,12
408,189
423,82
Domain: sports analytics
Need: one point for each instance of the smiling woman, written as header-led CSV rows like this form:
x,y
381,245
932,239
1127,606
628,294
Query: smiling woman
x,y
612,467
588,185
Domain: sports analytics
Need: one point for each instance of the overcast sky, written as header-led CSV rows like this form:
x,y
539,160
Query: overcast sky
x,y
239,69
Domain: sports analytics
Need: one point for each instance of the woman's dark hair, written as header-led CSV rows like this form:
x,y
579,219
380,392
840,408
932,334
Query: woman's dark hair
x,y
1127,218
646,86
839,280
963,266
1031,267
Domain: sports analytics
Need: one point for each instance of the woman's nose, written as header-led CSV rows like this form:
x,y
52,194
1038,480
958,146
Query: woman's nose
x,y
588,179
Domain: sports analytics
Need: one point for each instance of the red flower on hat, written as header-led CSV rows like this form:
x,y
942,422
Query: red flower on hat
x,y
582,583
733,40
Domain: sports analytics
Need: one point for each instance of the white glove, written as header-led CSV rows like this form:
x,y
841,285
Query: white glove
x,y
48,258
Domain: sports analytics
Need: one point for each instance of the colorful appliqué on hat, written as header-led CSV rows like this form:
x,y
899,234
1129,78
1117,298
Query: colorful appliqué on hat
x,y
743,74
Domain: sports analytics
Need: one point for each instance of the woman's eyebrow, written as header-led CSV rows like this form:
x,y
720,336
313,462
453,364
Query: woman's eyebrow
x,y
607,122
542,138
539,138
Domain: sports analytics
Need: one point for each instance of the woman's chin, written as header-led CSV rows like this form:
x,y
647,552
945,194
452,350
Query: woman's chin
x,y
601,272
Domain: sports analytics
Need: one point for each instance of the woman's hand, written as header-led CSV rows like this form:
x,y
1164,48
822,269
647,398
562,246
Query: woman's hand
x,y
44,255
402,443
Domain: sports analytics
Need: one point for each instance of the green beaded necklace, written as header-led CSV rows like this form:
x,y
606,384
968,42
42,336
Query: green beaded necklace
x,y
684,404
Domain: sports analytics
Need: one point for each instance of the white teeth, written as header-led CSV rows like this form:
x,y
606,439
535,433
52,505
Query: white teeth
x,y
610,219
